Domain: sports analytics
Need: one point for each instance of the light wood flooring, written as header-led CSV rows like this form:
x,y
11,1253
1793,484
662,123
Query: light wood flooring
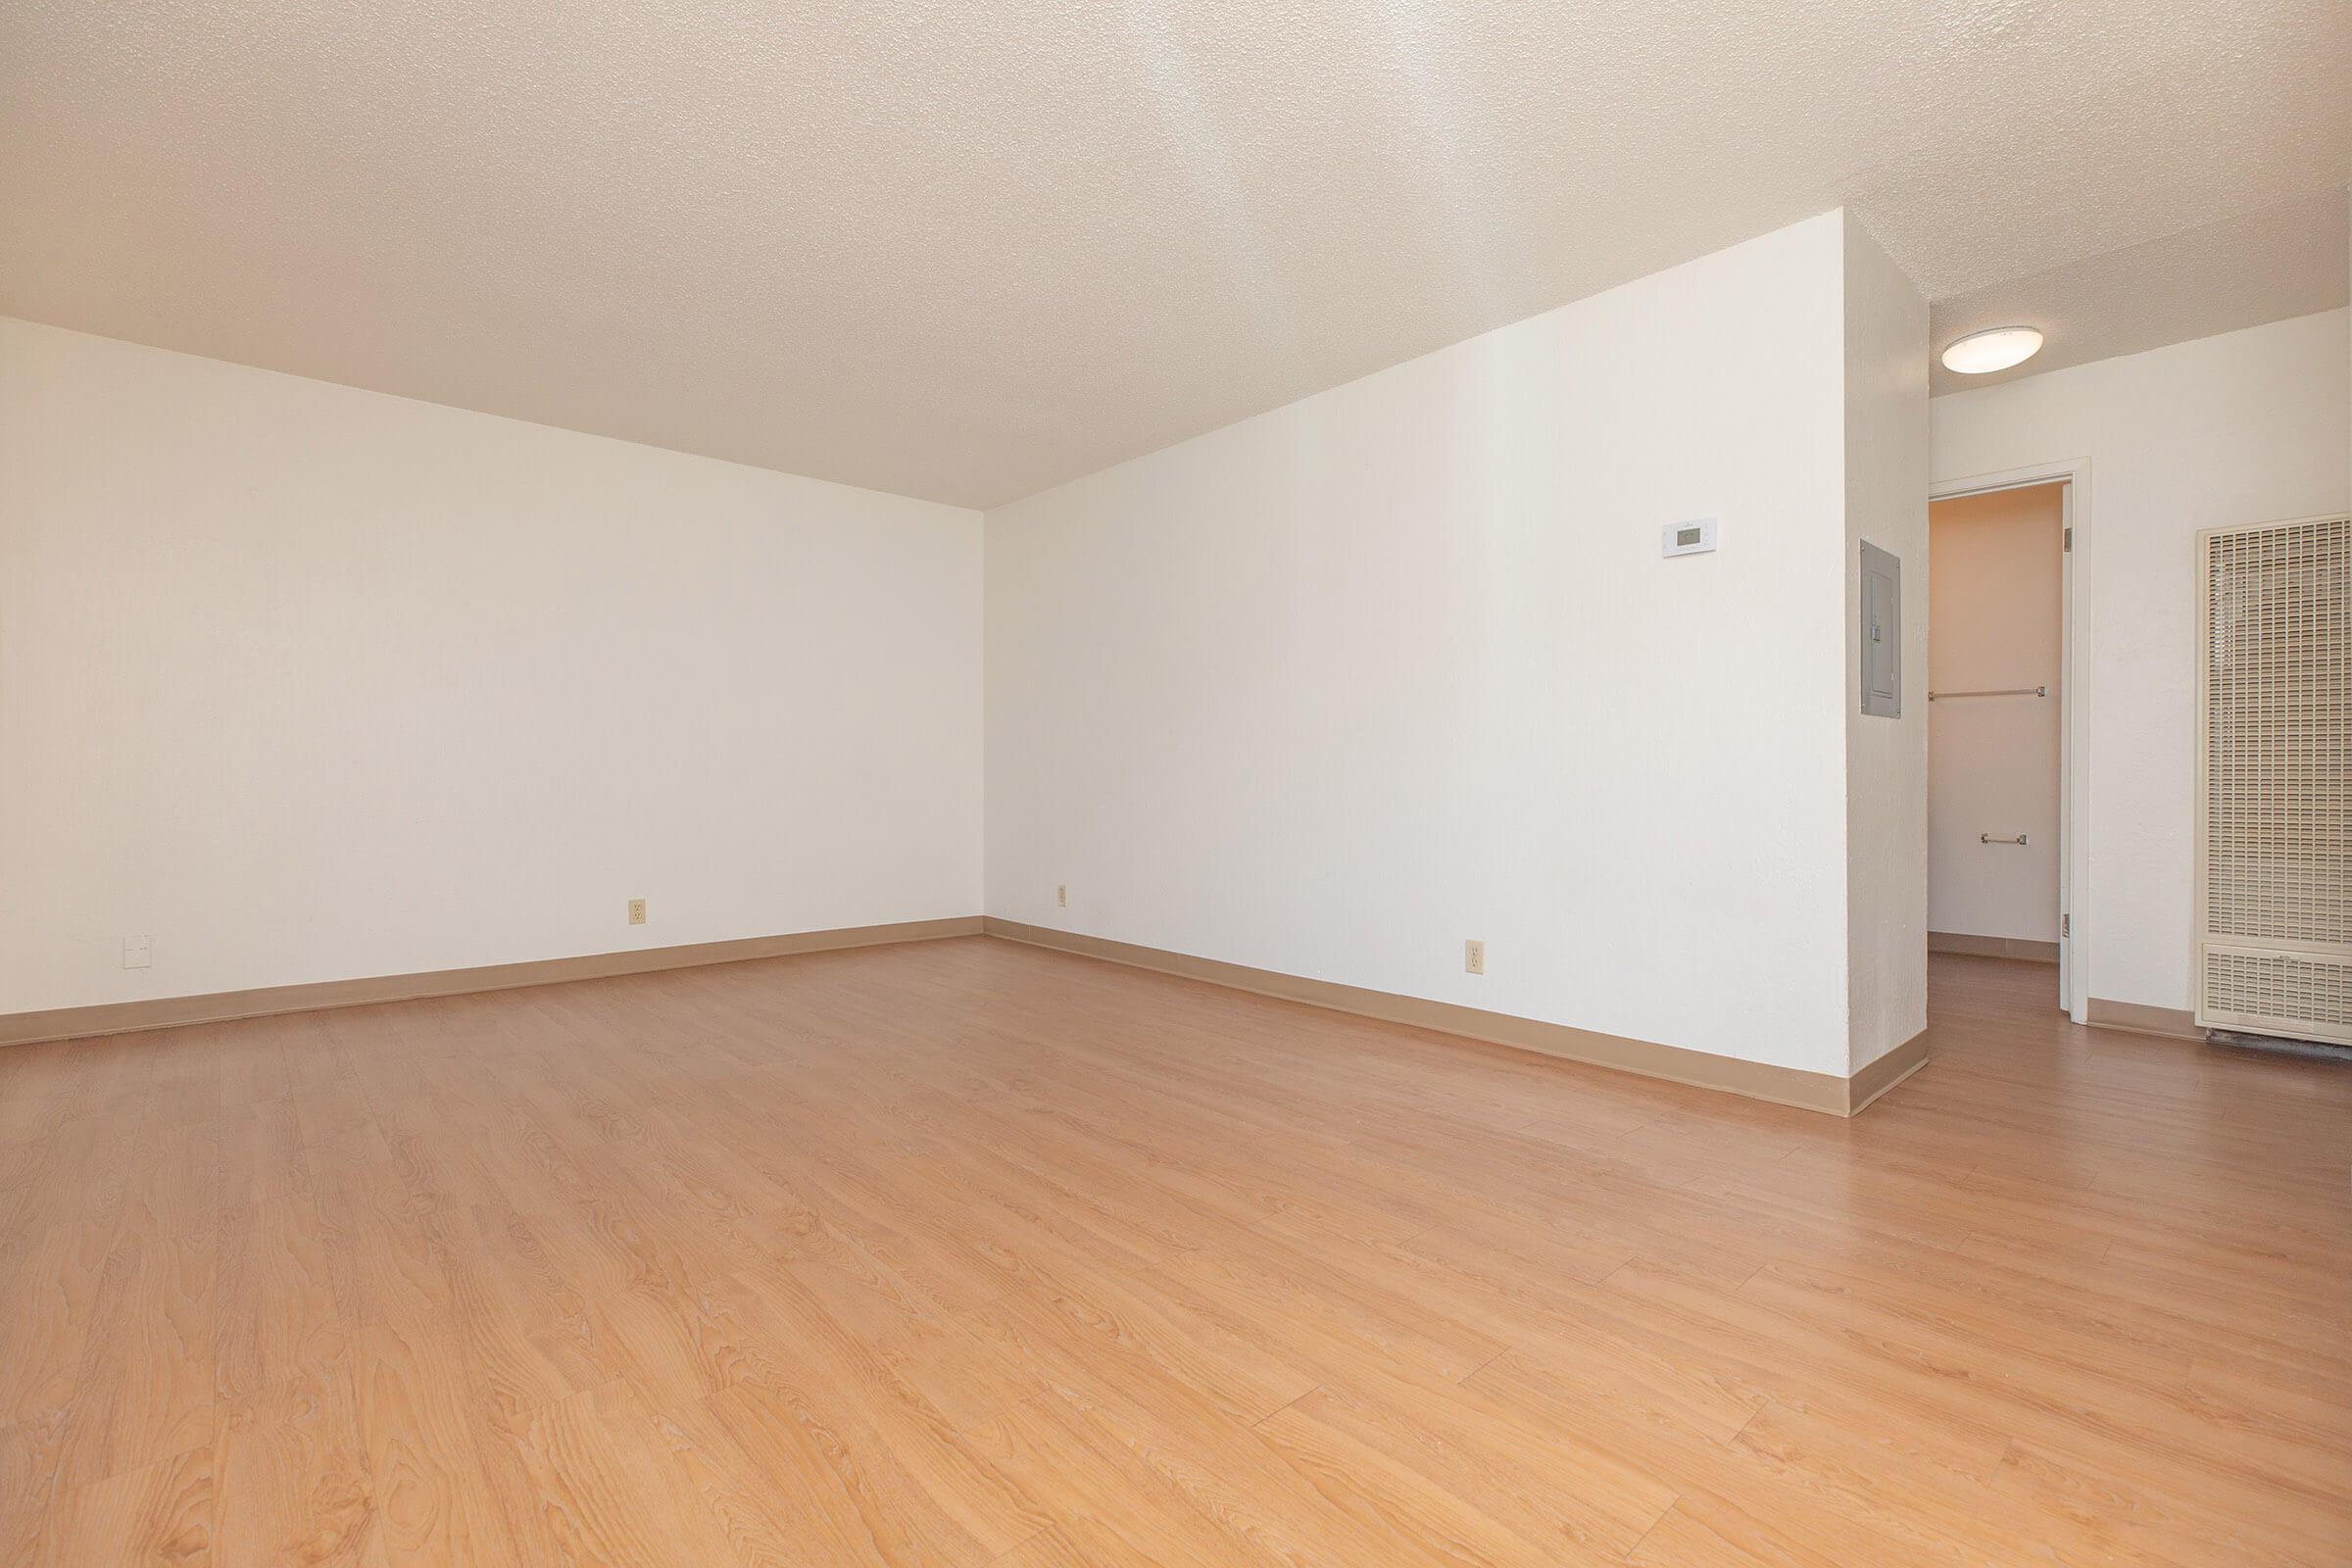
x,y
963,1252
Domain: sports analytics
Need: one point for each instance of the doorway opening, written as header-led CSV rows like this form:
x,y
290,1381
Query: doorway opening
x,y
1999,695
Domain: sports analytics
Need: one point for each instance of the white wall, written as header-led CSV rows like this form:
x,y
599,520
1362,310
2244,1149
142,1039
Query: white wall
x,y
1885,441
310,683
1994,601
1333,689
2238,428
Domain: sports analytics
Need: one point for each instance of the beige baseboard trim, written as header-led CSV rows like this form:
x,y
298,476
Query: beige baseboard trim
x,y
2172,1024
1784,1086
167,1012
1877,1077
1992,947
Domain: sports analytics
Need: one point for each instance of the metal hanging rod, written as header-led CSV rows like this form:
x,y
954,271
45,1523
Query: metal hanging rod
x,y
2004,690
1986,838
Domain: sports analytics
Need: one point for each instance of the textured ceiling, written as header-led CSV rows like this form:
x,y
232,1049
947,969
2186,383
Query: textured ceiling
x,y
965,251
2283,261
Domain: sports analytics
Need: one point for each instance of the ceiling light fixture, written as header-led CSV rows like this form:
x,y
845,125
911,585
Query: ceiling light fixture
x,y
1995,348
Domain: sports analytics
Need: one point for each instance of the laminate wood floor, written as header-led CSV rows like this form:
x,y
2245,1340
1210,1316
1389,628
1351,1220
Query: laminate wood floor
x,y
964,1252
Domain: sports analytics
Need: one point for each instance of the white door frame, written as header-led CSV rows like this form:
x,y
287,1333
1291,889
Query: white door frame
x,y
2074,743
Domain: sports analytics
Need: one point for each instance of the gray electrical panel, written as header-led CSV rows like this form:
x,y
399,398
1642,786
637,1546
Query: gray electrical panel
x,y
1881,633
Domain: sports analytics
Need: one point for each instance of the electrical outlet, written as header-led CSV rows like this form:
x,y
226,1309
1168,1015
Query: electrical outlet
x,y
1474,956
636,911
137,951
1061,895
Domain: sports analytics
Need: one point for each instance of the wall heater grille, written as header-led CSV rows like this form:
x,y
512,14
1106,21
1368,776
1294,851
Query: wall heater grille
x,y
2275,786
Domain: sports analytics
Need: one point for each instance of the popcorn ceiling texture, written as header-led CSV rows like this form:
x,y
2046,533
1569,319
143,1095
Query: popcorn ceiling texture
x,y
968,251
2284,261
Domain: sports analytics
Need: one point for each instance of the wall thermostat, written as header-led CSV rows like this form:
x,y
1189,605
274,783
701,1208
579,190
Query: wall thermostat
x,y
1687,538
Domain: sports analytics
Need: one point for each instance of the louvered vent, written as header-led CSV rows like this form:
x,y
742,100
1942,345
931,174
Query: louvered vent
x,y
2275,797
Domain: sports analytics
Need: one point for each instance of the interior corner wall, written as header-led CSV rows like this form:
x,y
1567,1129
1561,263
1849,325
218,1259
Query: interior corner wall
x,y
1332,689
308,683
2243,427
1886,436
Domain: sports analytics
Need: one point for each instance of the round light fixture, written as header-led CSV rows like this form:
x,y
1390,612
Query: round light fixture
x,y
1994,349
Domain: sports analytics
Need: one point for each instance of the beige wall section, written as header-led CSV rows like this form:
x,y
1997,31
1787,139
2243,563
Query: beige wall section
x,y
1329,691
2239,428
308,683
1885,441
1995,570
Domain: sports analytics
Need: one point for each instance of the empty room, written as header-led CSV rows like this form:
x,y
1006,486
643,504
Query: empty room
x,y
1195,784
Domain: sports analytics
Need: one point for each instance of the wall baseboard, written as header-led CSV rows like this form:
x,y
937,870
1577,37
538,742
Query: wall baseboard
x,y
167,1012
1787,1086
1877,1077
1992,947
2139,1018
1784,1086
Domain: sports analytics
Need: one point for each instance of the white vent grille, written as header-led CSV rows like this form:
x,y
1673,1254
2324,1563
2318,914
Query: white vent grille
x,y
2244,988
2275,793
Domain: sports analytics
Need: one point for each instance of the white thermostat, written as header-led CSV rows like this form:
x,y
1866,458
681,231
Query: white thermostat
x,y
1687,538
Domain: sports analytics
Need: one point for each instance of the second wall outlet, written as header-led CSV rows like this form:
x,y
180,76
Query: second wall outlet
x,y
636,911
1061,895
1474,956
137,951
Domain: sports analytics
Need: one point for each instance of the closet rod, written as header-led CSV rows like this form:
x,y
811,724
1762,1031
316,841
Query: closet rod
x,y
2005,690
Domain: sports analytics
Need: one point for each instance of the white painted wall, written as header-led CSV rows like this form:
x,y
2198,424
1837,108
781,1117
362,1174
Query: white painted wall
x,y
1992,763
1886,440
310,683
2238,428
1333,689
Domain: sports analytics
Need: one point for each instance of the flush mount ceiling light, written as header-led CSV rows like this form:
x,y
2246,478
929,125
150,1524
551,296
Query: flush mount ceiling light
x,y
1995,348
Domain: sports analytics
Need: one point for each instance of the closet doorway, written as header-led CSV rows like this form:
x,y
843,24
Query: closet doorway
x,y
1997,662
